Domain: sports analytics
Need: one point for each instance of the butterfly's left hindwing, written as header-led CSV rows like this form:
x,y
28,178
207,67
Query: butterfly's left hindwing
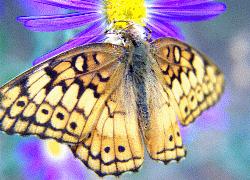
x,y
64,96
192,82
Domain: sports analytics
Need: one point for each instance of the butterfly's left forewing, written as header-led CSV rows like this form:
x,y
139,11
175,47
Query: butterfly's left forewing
x,y
182,82
63,97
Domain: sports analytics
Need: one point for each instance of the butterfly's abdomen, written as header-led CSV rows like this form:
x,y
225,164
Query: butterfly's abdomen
x,y
138,71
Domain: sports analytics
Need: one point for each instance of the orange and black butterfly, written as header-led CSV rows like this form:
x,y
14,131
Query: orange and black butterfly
x,y
105,100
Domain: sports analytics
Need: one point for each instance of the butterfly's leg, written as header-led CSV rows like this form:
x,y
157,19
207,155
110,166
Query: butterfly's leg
x,y
149,36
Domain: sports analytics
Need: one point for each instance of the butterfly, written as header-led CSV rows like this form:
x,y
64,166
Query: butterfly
x,y
104,100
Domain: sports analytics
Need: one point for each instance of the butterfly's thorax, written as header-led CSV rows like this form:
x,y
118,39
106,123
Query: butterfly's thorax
x,y
137,72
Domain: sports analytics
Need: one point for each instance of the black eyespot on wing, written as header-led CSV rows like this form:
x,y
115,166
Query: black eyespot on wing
x,y
121,148
60,116
89,135
186,109
107,149
73,125
170,138
178,134
45,111
21,103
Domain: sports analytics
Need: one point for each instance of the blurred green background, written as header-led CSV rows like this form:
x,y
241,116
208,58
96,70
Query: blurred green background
x,y
218,143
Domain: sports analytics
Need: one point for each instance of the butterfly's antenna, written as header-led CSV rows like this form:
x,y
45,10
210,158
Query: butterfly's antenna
x,y
109,28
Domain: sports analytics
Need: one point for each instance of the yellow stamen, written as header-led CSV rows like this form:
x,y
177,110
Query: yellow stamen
x,y
125,10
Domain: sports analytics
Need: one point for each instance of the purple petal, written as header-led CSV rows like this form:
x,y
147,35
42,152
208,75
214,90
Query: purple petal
x,y
163,29
175,3
73,4
74,168
52,173
95,32
57,22
35,8
192,11
30,150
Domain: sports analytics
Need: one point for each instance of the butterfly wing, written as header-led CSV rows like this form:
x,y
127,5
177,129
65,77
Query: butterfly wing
x,y
192,82
63,97
162,134
115,145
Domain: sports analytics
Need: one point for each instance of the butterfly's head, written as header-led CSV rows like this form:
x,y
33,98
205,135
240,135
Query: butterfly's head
x,y
132,32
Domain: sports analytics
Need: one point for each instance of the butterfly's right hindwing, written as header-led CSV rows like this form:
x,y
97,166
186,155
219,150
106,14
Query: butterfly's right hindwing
x,y
115,145
64,96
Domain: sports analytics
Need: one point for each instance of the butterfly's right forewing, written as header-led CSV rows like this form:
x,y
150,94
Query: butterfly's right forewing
x,y
63,97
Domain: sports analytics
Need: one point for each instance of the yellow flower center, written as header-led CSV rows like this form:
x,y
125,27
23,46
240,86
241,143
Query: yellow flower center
x,y
125,10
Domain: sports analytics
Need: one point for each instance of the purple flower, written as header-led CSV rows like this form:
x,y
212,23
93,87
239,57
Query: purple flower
x,y
48,160
96,15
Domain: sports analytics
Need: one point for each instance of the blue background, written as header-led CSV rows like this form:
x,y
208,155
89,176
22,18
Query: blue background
x,y
218,143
